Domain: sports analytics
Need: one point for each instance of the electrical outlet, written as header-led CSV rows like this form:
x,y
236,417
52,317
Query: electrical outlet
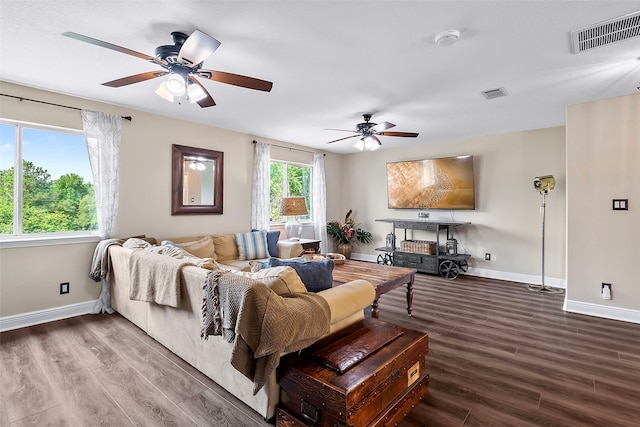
x,y
606,291
64,288
487,256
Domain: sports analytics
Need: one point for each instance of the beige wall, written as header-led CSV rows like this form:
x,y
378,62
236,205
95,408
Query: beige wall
x,y
506,221
603,163
30,277
600,157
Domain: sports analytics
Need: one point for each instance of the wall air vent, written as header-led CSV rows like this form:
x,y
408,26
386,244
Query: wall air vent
x,y
495,93
607,32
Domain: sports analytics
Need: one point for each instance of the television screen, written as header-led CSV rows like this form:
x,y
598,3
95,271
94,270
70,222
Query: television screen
x,y
445,183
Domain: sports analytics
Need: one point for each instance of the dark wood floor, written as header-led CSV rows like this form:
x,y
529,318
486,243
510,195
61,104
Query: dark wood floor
x,y
500,355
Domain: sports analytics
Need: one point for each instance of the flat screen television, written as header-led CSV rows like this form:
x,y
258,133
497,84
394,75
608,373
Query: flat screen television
x,y
443,183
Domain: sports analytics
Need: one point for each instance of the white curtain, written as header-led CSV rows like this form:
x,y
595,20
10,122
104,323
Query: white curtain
x,y
260,217
103,142
319,201
103,133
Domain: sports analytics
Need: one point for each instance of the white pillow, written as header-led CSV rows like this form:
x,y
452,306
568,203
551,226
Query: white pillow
x,y
135,243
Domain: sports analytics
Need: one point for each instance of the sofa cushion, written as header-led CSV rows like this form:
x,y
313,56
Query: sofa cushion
x,y
252,245
202,248
282,280
316,275
225,246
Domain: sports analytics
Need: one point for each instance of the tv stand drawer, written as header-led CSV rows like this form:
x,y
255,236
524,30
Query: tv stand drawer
x,y
421,262
417,225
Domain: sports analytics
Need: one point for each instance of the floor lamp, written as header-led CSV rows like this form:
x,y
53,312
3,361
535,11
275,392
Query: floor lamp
x,y
543,184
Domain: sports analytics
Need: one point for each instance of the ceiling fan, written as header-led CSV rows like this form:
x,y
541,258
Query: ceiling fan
x,y
368,133
182,61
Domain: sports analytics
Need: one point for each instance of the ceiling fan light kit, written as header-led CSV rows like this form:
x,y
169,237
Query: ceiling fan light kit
x,y
195,93
176,84
182,61
368,132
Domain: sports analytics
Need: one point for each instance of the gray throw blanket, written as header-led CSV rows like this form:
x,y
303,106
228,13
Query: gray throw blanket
x,y
101,263
100,269
260,323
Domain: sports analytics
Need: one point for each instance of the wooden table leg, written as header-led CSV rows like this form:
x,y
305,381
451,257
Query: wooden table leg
x,y
410,295
374,309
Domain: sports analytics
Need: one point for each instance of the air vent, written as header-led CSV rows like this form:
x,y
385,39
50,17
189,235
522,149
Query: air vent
x,y
495,93
607,32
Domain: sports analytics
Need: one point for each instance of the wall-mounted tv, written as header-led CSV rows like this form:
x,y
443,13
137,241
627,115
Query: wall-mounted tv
x,y
444,183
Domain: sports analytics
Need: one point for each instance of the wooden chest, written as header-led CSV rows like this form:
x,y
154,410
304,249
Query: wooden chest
x,y
369,374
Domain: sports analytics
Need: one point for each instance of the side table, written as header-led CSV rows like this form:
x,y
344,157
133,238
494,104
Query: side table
x,y
310,246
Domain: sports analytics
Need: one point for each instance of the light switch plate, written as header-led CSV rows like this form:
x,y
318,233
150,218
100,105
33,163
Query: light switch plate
x,y
620,204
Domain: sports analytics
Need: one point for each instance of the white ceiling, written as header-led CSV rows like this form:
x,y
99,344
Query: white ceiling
x,y
330,62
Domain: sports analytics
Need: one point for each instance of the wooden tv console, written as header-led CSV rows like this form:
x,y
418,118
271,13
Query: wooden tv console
x,y
439,262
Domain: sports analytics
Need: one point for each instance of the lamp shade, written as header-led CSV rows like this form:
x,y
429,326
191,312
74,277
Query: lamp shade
x,y
292,206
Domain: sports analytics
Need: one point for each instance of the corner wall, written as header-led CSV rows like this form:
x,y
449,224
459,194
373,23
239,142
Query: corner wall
x,y
603,163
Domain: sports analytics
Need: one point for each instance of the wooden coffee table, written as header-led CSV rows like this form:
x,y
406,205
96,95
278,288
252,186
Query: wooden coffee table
x,y
384,278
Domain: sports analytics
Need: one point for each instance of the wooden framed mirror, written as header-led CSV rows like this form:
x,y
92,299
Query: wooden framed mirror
x,y
197,180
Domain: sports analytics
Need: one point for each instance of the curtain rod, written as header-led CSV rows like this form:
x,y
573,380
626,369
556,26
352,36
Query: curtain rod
x,y
51,103
290,148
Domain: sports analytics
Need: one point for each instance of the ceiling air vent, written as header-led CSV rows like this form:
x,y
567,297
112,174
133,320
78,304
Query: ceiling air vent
x,y
495,93
607,32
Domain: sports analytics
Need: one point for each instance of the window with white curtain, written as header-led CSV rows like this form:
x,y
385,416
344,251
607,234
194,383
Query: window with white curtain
x,y
289,179
46,185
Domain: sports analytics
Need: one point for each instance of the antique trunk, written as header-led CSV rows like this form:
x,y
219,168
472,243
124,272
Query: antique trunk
x,y
369,374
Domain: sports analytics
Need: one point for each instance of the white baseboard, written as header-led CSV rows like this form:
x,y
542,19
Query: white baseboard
x,y
490,274
600,310
517,277
22,320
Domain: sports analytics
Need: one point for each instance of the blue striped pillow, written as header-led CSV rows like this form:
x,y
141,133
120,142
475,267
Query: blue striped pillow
x,y
252,245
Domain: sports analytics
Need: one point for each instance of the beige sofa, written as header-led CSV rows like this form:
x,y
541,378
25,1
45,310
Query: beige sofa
x,y
225,251
178,329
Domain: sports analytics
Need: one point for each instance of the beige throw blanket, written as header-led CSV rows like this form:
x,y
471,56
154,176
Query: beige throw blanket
x,y
155,278
260,323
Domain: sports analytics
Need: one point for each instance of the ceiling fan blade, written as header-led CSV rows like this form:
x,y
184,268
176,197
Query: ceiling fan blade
x,y
341,139
344,130
197,47
236,80
405,134
375,138
382,126
206,101
135,78
114,47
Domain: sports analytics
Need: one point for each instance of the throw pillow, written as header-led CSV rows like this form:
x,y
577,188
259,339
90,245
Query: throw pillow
x,y
171,249
316,275
225,246
202,248
272,242
136,243
252,245
282,280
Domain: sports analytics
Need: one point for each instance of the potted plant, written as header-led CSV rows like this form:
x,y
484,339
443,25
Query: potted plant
x,y
347,233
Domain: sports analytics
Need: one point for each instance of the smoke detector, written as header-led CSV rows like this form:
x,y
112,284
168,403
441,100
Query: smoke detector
x,y
447,38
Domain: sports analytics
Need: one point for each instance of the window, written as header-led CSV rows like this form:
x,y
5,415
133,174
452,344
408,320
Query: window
x,y
288,180
45,181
